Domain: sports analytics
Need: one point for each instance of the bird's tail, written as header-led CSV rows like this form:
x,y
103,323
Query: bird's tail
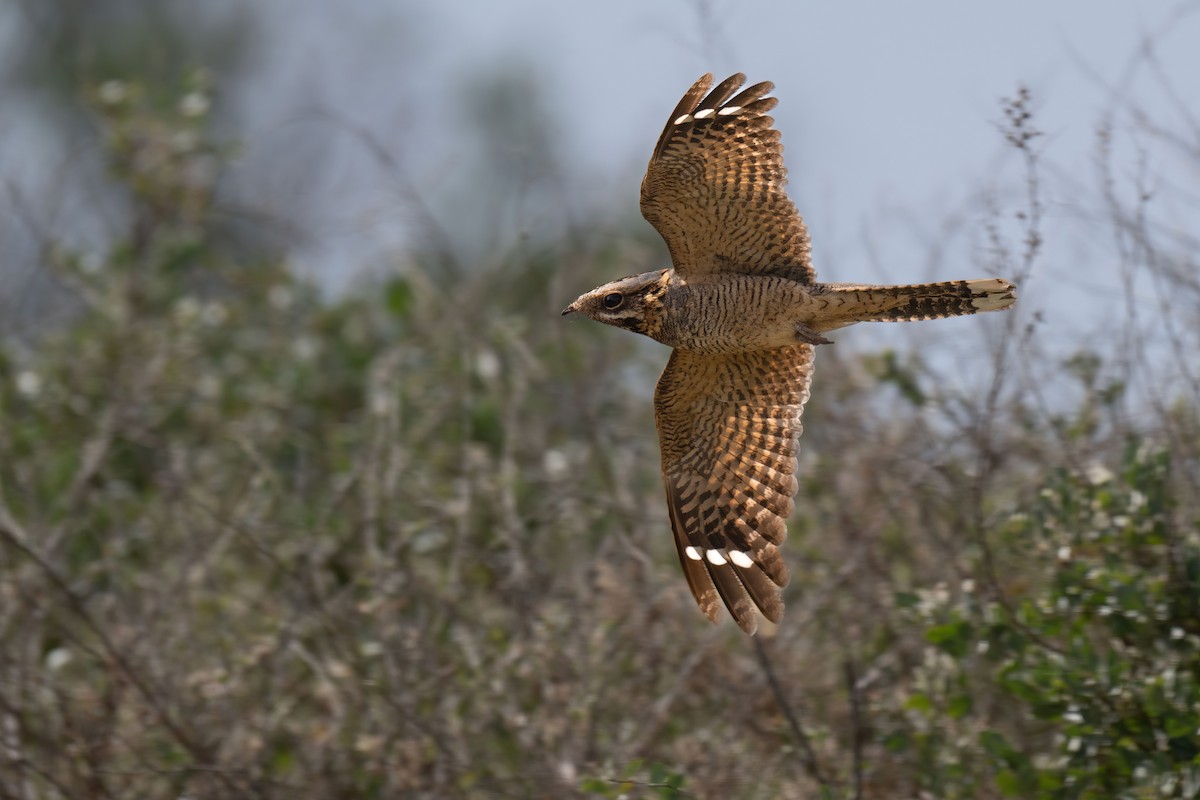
x,y
866,303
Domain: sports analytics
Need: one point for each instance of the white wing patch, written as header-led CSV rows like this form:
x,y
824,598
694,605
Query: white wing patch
x,y
741,558
721,557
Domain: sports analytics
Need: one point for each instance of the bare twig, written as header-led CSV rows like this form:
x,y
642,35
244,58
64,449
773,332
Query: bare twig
x,y
856,724
436,235
811,765
674,789
14,534
1019,132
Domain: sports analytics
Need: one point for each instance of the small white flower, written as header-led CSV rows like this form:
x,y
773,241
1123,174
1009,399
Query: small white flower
x,y
184,141
1098,474
194,104
429,540
306,348
113,92
382,403
281,297
1064,554
1177,633
941,595
28,383
58,658
555,463
487,366
209,386
369,743
214,314
968,585
186,309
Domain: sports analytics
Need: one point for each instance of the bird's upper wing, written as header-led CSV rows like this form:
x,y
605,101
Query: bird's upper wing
x,y
714,187
729,428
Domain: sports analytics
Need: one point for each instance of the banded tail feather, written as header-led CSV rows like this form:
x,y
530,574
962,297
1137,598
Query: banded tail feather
x,y
869,303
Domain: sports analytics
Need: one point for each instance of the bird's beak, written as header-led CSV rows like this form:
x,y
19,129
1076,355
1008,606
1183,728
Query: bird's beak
x,y
568,309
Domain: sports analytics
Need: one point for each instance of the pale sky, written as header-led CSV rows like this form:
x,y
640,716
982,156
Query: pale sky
x,y
888,112
887,109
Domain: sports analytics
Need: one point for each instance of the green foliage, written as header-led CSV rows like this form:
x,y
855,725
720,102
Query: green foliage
x,y
1091,638
904,377
660,782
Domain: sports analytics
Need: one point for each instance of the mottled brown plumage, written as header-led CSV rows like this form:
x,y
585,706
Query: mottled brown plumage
x,y
714,187
742,308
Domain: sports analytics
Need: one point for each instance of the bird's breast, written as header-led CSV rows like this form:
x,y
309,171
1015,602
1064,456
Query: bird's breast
x,y
733,313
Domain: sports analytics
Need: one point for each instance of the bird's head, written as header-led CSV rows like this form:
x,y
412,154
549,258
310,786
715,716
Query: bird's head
x,y
631,303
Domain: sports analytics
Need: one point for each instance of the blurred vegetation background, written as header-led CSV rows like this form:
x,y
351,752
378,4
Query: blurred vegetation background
x,y
261,539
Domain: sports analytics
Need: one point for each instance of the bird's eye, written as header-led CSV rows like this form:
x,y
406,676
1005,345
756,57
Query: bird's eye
x,y
613,301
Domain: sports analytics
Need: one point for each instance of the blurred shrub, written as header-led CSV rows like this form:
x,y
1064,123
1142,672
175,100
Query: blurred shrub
x,y
1086,662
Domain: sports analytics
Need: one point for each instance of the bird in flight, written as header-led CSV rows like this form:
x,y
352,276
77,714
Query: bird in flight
x,y
743,310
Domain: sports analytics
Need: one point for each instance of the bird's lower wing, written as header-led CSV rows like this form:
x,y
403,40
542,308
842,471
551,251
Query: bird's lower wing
x,y
729,427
